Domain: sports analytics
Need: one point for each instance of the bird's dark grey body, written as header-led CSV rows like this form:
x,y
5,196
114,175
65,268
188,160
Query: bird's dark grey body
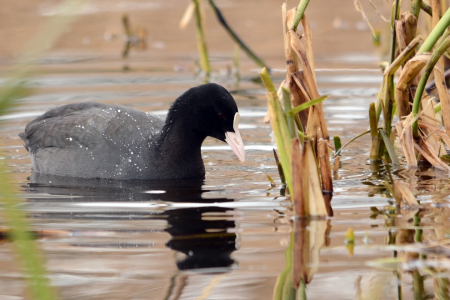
x,y
93,140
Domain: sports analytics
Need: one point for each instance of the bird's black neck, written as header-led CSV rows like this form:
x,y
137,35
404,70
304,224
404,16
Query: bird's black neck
x,y
178,147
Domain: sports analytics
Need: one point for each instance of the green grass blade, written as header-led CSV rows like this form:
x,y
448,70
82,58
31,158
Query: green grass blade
x,y
349,142
390,148
25,247
288,107
306,105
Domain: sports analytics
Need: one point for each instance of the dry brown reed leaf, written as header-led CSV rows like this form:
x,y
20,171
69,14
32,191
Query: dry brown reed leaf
x,y
300,177
402,98
309,45
291,58
406,193
428,152
316,202
316,118
187,16
429,114
406,141
323,157
302,95
406,52
298,48
444,137
444,96
400,34
299,79
411,69
360,9
291,66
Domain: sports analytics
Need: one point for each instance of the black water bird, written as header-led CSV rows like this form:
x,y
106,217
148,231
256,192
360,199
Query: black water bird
x,y
93,140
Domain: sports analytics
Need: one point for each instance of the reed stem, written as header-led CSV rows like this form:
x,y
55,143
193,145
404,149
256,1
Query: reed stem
x,y
299,14
376,142
287,108
415,7
437,53
436,33
201,43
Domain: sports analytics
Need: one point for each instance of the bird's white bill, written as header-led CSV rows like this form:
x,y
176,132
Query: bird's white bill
x,y
234,139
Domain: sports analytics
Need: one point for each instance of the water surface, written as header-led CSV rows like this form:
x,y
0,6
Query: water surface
x,y
224,237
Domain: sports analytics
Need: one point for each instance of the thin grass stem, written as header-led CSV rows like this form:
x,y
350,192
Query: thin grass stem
x,y
201,43
299,14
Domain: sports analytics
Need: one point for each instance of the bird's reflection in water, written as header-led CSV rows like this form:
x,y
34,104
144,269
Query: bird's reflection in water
x,y
205,234
207,243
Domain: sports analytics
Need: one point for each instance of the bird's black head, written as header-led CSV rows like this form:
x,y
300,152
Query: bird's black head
x,y
209,110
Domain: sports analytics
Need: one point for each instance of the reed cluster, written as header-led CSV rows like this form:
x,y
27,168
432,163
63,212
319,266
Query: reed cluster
x,y
300,129
419,130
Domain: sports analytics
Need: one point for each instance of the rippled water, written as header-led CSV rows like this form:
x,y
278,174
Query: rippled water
x,y
221,238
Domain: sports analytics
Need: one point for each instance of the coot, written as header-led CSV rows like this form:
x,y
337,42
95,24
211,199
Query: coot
x,y
93,140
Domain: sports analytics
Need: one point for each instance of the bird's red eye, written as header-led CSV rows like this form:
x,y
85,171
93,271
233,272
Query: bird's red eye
x,y
222,116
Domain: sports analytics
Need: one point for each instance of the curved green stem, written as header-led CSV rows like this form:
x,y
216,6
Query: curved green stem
x,y
436,33
438,52
235,37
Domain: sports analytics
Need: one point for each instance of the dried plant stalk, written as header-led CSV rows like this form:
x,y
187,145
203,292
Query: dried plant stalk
x,y
336,164
316,202
411,70
403,56
316,117
429,114
309,46
444,97
325,171
297,97
428,153
300,174
406,141
410,26
306,66
400,34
